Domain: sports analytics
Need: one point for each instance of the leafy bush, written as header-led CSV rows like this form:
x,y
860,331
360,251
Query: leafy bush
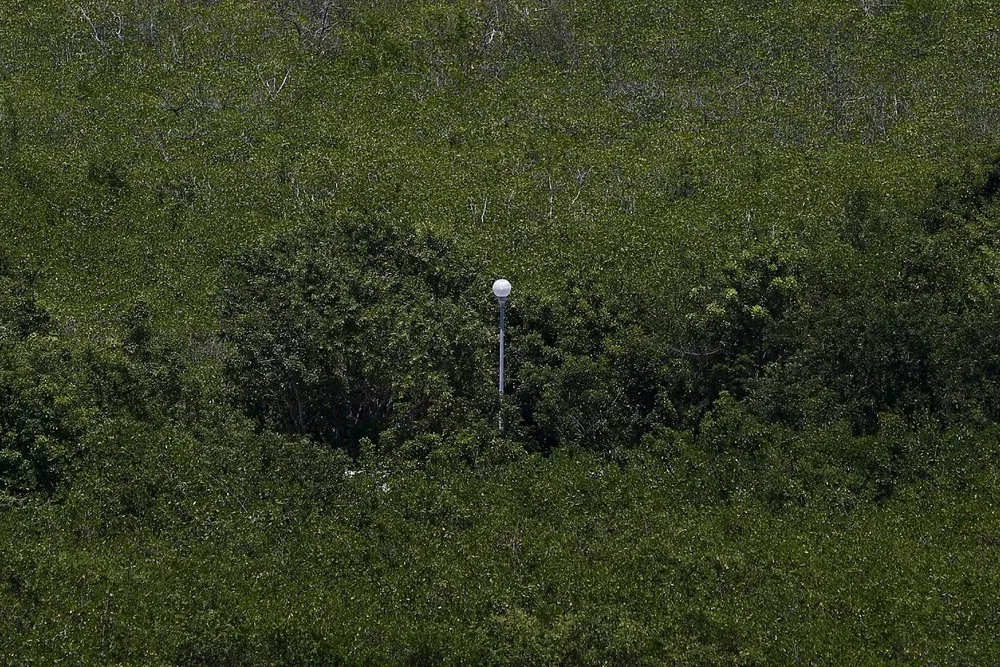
x,y
57,387
886,329
359,328
41,414
741,323
587,370
915,341
20,313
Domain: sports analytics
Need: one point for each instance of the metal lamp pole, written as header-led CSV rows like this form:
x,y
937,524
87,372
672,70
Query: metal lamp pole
x,y
501,289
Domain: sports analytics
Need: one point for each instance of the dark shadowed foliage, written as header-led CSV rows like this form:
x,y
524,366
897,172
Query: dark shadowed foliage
x,y
359,328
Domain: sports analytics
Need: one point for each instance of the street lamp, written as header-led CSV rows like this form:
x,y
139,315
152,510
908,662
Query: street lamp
x,y
501,289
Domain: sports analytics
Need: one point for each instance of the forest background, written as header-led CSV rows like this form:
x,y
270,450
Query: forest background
x,y
248,408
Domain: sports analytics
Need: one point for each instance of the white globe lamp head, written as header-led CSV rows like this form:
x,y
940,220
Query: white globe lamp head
x,y
501,289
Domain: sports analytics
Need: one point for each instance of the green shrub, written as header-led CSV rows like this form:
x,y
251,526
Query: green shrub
x,y
586,369
741,323
20,313
359,328
915,341
884,329
40,413
41,417
57,387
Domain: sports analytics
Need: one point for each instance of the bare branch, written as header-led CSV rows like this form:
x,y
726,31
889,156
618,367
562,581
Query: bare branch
x,y
581,176
93,27
551,193
120,32
271,85
689,353
288,73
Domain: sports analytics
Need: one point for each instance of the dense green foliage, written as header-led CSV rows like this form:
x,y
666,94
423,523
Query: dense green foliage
x,y
237,560
248,407
142,143
359,330
34,425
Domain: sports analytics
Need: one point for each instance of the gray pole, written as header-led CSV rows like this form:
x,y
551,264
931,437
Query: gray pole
x,y
503,303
